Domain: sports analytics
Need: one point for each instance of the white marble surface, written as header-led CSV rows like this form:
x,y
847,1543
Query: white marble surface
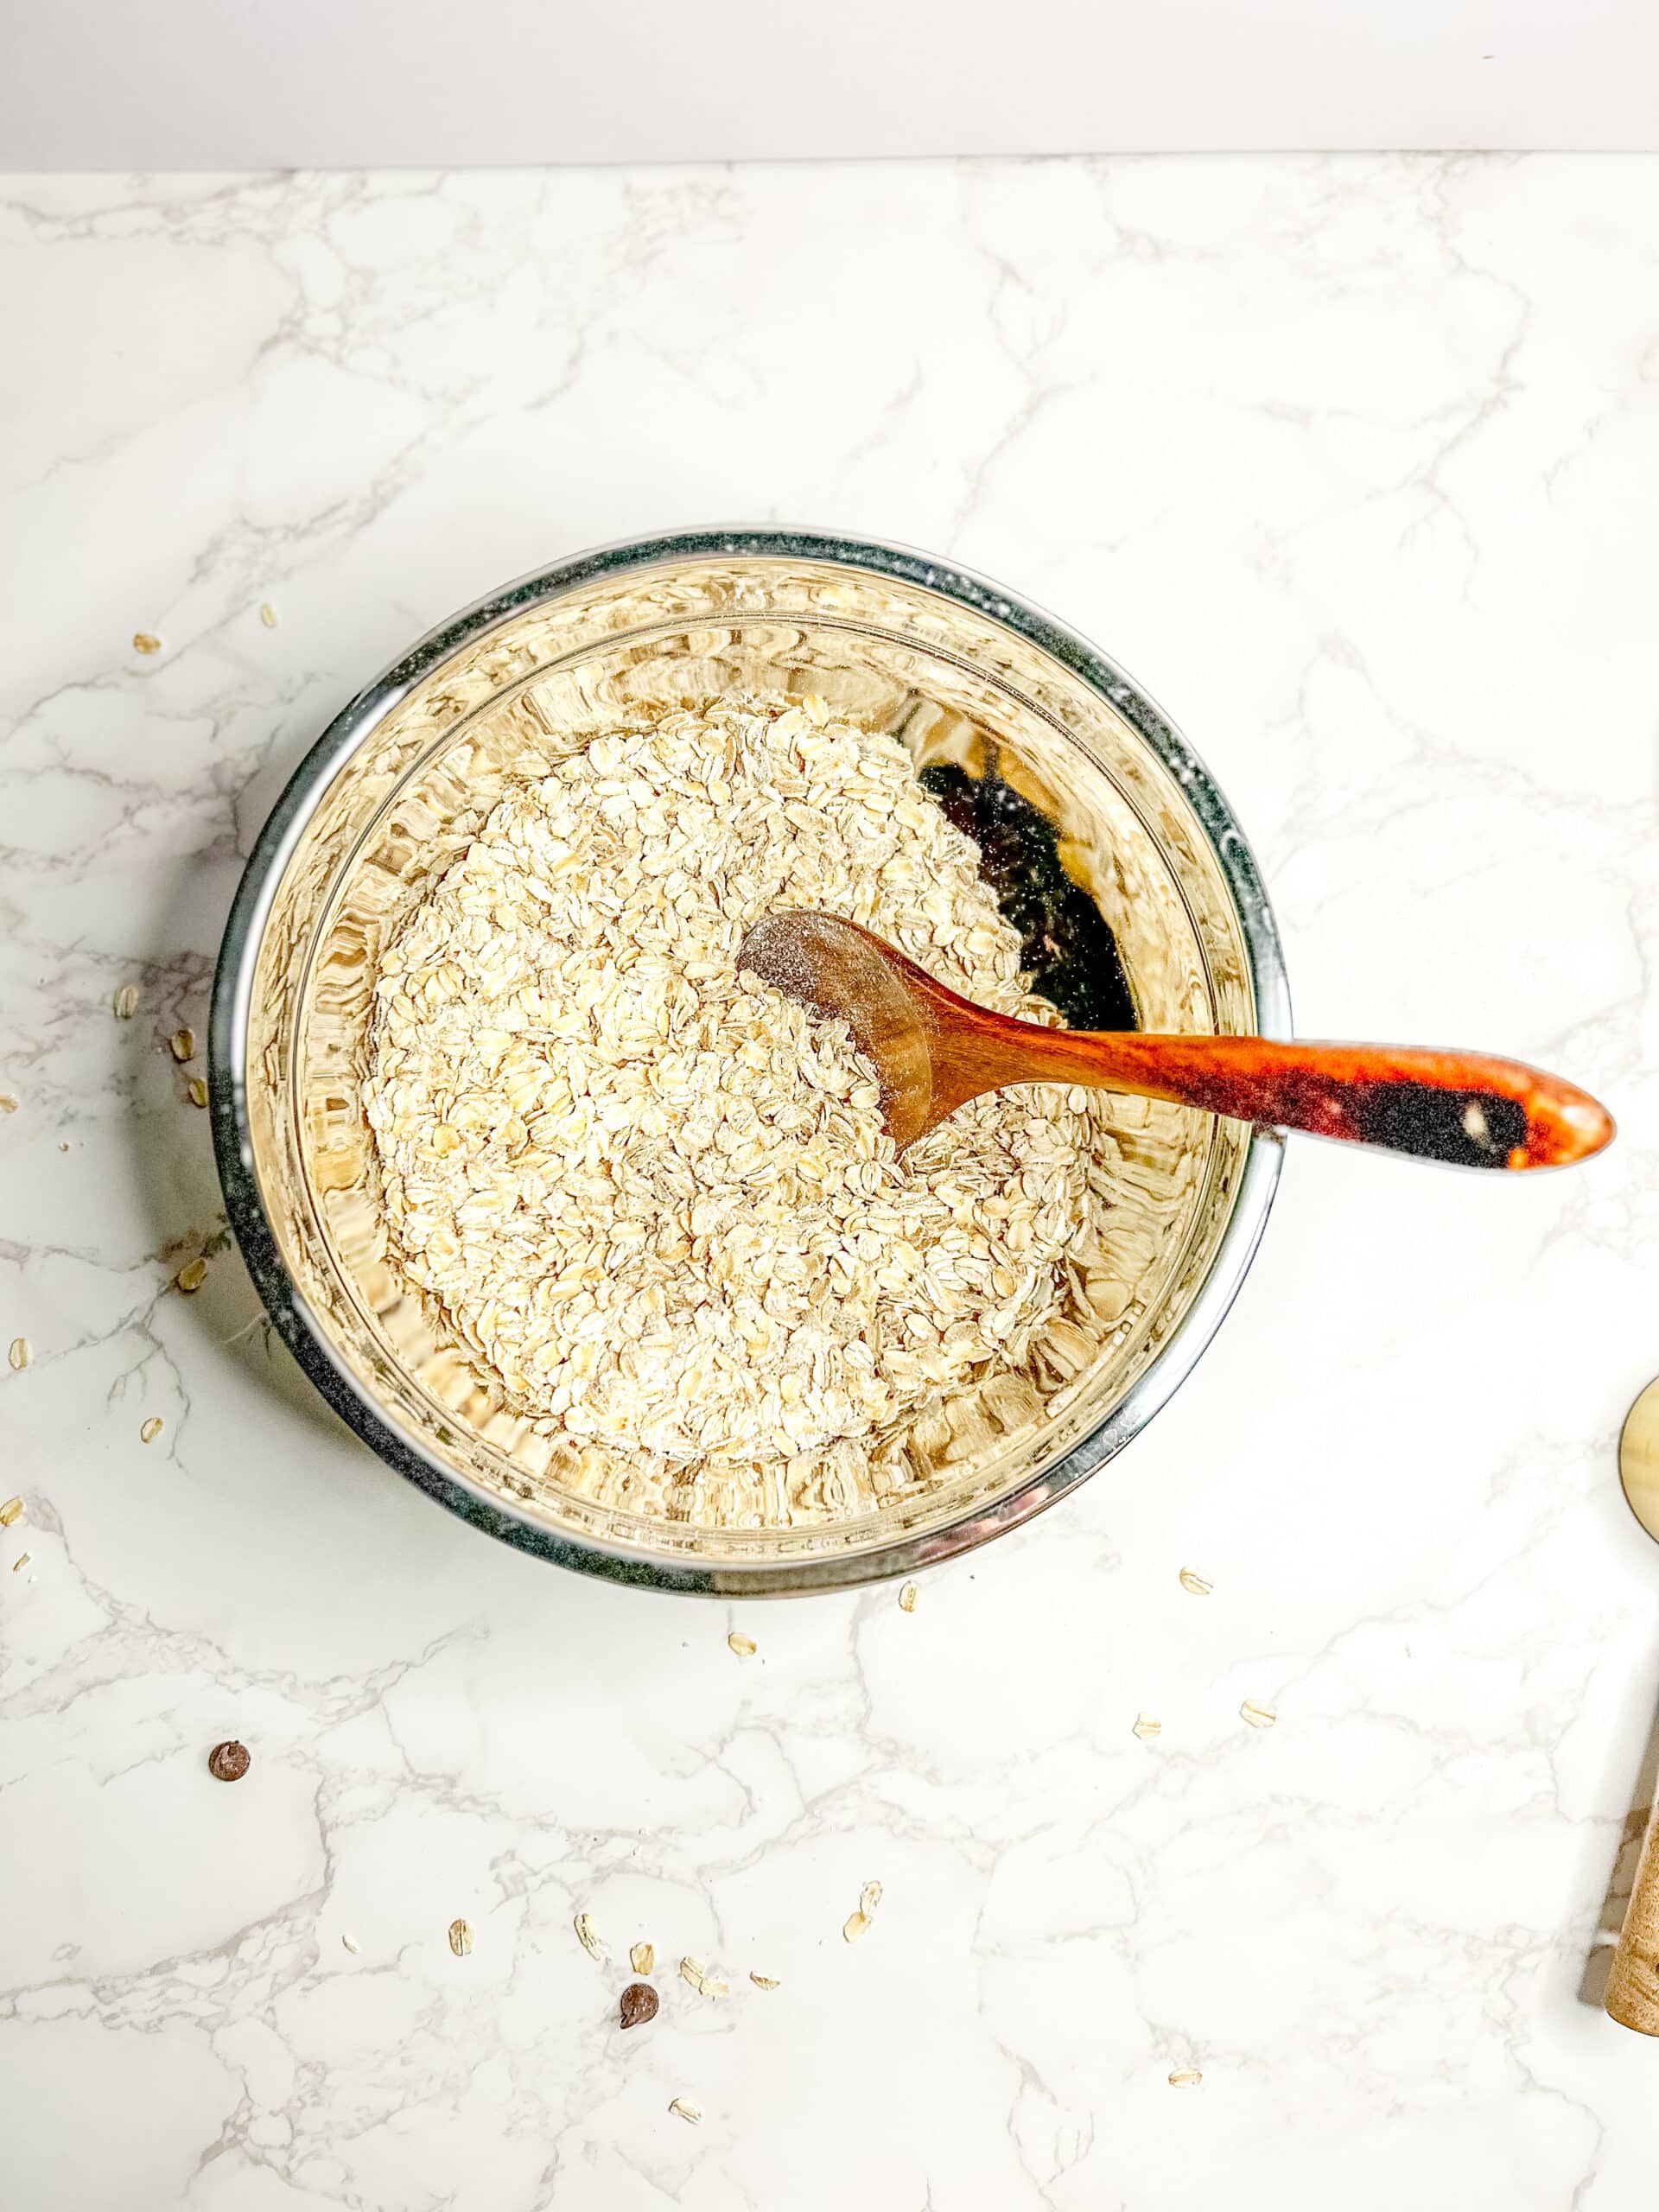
x,y
1353,462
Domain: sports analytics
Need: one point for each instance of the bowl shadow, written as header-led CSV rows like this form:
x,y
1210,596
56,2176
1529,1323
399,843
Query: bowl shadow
x,y
168,1142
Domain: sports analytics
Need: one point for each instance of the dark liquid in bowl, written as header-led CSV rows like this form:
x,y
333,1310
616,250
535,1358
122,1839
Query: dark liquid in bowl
x,y
1068,949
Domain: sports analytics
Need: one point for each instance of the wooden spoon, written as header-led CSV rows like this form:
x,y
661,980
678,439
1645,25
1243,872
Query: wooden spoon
x,y
1632,1995
933,1051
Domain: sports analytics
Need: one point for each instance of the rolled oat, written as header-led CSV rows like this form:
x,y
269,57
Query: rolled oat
x,y
654,1198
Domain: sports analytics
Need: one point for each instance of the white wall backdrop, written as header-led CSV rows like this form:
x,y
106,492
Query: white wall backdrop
x,y
238,84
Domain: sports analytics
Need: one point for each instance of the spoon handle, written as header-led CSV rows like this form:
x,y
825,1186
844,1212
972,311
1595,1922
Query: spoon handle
x,y
1633,1985
1466,1108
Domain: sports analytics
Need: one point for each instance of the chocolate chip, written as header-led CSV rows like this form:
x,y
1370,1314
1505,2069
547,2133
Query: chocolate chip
x,y
639,2004
228,1761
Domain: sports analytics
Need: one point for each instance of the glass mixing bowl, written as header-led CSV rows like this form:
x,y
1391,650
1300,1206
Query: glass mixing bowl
x,y
968,676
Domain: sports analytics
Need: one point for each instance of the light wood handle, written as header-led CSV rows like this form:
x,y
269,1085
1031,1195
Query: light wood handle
x,y
1633,1985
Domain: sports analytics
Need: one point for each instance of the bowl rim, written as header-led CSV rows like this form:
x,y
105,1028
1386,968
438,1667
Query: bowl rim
x,y
232,1135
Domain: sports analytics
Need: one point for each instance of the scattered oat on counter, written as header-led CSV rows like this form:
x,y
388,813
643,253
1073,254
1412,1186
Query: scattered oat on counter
x,y
1200,1585
1259,1716
745,1646
1186,2077
639,2005
350,1944
1145,1726
7,1103
268,615
705,1984
11,1512
907,1598
643,1958
198,1091
686,2110
856,1924
192,1275
21,1561
151,1429
182,1044
766,1981
590,1939
125,1003
460,1938
21,1353
145,641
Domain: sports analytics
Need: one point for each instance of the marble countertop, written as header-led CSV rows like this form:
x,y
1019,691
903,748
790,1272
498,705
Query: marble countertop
x,y
1351,461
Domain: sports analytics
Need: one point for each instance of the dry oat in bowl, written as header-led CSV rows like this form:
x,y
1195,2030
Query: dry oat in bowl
x,y
606,1242
657,1197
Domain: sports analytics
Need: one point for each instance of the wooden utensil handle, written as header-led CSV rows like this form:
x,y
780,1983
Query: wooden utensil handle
x,y
1633,1986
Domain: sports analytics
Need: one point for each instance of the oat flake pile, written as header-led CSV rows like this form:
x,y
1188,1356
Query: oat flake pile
x,y
654,1197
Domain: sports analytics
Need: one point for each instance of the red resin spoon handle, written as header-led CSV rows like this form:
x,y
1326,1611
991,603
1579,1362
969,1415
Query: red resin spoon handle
x,y
1467,1108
